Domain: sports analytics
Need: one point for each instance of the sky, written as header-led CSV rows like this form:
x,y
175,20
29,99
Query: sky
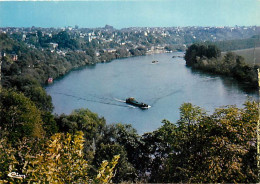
x,y
130,13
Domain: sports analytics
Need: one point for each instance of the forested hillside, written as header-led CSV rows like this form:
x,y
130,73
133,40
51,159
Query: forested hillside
x,y
82,148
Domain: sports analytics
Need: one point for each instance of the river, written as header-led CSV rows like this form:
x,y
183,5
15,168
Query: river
x,y
165,85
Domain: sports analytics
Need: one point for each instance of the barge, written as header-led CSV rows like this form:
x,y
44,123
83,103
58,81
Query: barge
x,y
134,102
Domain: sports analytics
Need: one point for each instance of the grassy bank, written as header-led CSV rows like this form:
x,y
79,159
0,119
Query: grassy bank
x,y
208,58
248,54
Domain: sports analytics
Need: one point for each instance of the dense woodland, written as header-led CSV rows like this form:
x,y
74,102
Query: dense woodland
x,y
220,147
206,57
40,64
82,148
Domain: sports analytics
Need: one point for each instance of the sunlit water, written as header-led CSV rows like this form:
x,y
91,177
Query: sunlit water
x,y
166,85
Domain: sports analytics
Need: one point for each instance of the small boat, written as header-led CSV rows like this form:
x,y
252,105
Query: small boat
x,y
50,80
133,101
155,61
177,56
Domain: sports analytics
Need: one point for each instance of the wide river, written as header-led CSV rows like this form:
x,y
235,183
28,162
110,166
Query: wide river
x,y
166,85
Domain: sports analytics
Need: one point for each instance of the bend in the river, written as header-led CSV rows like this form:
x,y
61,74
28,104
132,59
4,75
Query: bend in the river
x,y
165,85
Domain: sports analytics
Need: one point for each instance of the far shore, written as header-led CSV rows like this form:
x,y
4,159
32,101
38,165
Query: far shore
x,y
248,54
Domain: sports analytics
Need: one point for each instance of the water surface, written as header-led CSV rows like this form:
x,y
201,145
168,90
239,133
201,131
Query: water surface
x,y
103,88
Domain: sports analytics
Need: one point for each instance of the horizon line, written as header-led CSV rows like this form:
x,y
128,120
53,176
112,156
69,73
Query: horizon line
x,y
79,27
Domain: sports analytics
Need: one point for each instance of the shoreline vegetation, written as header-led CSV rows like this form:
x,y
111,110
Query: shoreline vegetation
x,y
207,58
37,146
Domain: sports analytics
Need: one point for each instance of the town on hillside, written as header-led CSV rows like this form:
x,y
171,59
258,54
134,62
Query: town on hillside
x,y
126,41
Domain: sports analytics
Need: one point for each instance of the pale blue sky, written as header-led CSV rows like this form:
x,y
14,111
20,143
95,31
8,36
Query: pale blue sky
x,y
125,13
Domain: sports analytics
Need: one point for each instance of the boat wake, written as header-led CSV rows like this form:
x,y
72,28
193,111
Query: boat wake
x,y
102,100
131,106
119,100
155,100
123,101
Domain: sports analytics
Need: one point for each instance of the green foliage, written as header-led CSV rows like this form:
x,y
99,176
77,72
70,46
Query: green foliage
x,y
169,48
64,40
155,150
60,160
125,170
6,43
121,53
200,50
38,64
139,51
237,44
19,116
82,120
190,114
230,65
199,148
105,172
32,89
50,126
8,161
124,140
89,123
213,148
90,52
124,135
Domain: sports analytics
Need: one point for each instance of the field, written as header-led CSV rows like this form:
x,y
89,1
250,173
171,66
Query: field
x,y
248,54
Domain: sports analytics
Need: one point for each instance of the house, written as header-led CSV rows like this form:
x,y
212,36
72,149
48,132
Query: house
x,y
54,45
111,50
14,57
3,54
23,37
97,53
61,53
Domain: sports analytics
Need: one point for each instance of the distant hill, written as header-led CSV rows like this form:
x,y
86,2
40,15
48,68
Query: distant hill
x,y
248,54
238,44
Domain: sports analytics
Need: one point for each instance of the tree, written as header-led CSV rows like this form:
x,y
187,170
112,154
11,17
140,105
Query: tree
x,y
156,148
33,90
60,160
8,161
199,50
121,53
122,137
89,123
65,41
82,120
50,126
125,170
213,148
90,52
19,117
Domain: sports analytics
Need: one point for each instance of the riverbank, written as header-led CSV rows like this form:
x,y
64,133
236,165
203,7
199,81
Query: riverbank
x,y
99,60
248,54
207,58
103,89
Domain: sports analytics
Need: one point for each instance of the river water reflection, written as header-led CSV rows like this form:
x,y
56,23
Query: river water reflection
x,y
165,85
